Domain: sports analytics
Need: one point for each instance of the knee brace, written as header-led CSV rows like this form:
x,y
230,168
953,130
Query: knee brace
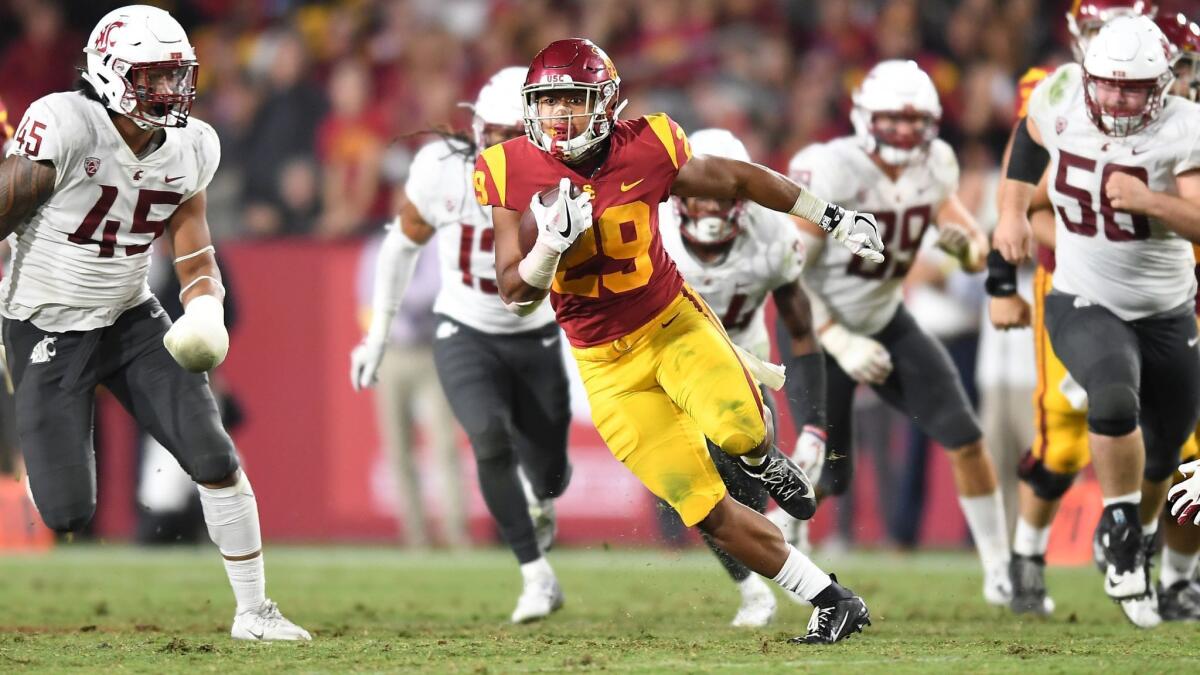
x,y
1046,484
1112,409
1160,463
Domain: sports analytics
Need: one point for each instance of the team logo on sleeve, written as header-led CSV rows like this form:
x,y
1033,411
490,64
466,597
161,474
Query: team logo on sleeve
x,y
91,165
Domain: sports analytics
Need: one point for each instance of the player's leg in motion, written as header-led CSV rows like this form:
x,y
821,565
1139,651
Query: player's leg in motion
x,y
1178,588
179,411
758,603
655,395
53,389
1046,472
478,375
926,387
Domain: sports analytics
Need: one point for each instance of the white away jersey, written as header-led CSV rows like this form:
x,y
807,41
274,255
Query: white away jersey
x,y
439,185
81,260
768,254
861,295
1130,264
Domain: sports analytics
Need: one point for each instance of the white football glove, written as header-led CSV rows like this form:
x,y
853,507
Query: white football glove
x,y
198,340
561,223
859,233
862,358
957,242
364,362
809,453
1185,496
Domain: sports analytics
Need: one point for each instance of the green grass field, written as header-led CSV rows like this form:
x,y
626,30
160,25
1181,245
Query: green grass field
x,y
106,608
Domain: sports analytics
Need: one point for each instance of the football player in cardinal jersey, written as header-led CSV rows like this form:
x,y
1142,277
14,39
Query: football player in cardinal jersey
x,y
1124,158
94,177
735,254
502,373
660,371
896,166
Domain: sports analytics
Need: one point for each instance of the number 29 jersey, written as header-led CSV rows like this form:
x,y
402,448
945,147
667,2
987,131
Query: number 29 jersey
x,y
616,276
861,295
439,186
82,258
1130,264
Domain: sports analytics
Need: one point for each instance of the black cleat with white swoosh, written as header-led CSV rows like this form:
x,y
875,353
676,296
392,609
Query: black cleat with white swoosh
x,y
786,483
837,620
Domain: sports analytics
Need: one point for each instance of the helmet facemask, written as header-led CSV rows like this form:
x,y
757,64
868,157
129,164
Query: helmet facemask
x,y
1104,96
899,137
710,225
561,141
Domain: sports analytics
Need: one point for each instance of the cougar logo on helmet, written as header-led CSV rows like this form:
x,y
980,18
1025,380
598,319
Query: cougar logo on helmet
x,y
105,40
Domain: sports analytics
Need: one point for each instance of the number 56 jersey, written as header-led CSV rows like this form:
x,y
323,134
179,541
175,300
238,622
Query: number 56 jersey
x,y
1131,264
82,258
861,295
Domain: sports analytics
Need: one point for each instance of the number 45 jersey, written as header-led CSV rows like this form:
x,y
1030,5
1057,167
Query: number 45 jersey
x,y
82,258
861,295
1128,263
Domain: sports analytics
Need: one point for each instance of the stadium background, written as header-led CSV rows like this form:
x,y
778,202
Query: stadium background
x,y
319,106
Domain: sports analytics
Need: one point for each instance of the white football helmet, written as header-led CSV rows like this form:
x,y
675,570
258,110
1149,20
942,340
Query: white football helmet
x,y
1129,54
1085,18
142,66
708,222
902,88
500,104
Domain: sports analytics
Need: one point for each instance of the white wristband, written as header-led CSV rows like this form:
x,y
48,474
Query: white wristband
x,y
193,254
816,210
538,267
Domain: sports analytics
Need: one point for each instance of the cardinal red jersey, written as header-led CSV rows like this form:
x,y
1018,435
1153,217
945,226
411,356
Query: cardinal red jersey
x,y
616,276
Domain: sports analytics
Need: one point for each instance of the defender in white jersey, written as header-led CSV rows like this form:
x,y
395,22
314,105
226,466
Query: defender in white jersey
x,y
93,178
502,371
896,167
735,254
1124,160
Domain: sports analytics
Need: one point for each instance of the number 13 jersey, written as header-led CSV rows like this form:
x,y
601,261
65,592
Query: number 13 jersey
x,y
1128,263
861,295
82,258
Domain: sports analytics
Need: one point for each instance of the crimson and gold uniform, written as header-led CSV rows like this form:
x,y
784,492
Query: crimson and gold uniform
x,y
660,373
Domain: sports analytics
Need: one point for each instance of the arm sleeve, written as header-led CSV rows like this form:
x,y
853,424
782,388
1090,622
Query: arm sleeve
x,y
423,177
41,137
208,148
393,271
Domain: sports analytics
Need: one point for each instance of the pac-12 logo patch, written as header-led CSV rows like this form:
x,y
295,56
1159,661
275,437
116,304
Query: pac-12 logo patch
x,y
91,165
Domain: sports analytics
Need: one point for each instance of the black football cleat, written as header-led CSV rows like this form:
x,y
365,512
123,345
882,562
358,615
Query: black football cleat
x,y
1180,601
786,483
1028,576
836,620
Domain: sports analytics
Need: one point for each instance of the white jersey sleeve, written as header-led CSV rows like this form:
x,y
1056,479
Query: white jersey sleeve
x,y
208,155
43,137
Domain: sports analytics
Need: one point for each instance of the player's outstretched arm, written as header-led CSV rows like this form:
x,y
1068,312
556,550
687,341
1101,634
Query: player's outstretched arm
x,y
1180,213
24,186
394,267
722,178
198,339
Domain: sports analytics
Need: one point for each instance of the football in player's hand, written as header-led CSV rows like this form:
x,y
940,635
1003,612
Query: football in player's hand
x,y
529,229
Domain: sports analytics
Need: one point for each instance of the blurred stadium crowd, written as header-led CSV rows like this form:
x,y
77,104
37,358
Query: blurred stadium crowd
x,y
320,103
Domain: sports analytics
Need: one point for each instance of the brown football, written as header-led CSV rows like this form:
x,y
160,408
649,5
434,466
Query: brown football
x,y
529,230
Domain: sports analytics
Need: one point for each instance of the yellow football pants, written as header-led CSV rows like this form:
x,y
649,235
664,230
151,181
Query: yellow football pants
x,y
658,392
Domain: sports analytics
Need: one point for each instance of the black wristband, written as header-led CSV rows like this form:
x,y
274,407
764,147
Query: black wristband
x,y
1027,161
805,387
1002,276
833,215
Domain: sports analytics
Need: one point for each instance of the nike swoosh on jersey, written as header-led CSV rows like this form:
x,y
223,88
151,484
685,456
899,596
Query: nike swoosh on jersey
x,y
627,187
1192,342
172,179
670,321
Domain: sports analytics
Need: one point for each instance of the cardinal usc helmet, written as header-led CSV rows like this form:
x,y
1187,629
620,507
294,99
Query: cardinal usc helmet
x,y
1130,55
142,66
712,223
499,113
1184,36
572,64
896,88
1085,18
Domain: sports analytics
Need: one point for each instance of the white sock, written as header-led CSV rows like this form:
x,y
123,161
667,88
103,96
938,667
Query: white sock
x,y
801,576
1177,566
752,587
1150,529
985,519
1131,498
536,569
1029,540
753,461
231,514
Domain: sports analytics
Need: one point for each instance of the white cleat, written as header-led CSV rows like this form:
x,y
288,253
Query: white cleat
x,y
997,586
1142,611
758,604
266,623
539,599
